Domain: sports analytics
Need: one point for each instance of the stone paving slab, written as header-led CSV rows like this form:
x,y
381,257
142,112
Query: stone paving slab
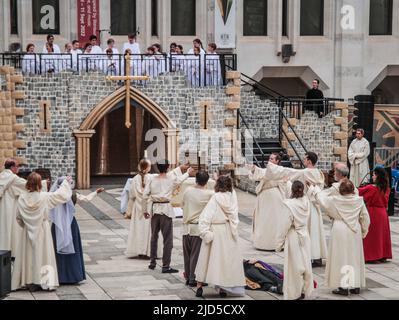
x,y
111,275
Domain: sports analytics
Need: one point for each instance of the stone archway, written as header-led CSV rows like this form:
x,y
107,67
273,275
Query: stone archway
x,y
86,131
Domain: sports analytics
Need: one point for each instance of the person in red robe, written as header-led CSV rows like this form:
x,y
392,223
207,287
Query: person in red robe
x,y
377,245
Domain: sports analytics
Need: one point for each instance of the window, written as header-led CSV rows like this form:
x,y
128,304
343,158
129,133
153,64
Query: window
x,y
154,17
46,16
123,17
312,17
14,16
380,17
255,18
183,17
285,18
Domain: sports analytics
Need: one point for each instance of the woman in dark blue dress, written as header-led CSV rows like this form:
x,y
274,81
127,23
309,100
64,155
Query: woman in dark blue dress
x,y
66,237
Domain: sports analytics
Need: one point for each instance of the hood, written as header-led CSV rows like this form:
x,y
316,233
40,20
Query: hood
x,y
227,202
6,179
349,208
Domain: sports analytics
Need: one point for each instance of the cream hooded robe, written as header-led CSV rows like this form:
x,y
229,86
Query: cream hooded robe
x,y
316,226
35,262
11,186
269,202
220,260
294,237
139,239
345,263
358,153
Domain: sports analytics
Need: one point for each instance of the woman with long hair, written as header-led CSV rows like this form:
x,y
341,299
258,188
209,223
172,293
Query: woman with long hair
x,y
35,255
293,237
139,239
220,261
377,244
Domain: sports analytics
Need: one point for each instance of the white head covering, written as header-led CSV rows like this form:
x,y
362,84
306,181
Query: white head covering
x,y
62,217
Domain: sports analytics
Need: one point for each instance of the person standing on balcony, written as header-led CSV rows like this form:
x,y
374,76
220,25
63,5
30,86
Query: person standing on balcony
x,y
50,46
316,97
212,67
358,154
132,44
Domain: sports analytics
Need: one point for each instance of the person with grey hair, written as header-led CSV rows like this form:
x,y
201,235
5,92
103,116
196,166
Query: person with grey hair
x,y
358,153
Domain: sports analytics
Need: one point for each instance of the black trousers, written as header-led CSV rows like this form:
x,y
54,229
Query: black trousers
x,y
191,250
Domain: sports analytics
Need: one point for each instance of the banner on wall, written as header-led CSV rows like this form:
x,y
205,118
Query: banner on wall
x,y
225,23
88,19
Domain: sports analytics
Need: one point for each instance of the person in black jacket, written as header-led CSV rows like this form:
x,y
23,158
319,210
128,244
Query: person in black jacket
x,y
317,99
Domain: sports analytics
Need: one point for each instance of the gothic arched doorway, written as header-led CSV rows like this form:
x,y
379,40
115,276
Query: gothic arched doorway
x,y
116,150
152,116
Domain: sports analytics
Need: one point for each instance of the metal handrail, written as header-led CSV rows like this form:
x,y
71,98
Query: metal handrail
x,y
293,148
241,117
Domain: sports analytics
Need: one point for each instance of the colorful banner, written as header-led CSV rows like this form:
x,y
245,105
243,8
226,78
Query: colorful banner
x,y
88,19
225,23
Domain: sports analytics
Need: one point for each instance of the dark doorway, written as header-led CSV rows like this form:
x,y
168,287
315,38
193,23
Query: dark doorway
x,y
116,150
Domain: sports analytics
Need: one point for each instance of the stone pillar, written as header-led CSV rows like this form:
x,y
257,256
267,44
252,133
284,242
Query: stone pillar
x,y
83,158
172,144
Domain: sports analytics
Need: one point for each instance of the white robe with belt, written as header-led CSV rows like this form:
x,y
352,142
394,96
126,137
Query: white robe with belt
x,y
35,262
358,153
268,207
294,237
316,227
139,239
11,186
220,260
345,263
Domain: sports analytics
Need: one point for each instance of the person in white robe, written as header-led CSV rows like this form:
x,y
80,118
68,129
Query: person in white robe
x,y
132,44
316,177
157,195
139,239
88,61
178,60
125,199
35,263
195,199
293,237
50,46
150,64
111,46
267,211
358,154
11,187
220,261
75,52
213,73
195,67
110,64
197,43
345,267
30,61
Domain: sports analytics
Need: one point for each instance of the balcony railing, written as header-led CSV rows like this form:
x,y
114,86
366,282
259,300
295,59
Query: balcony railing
x,y
200,70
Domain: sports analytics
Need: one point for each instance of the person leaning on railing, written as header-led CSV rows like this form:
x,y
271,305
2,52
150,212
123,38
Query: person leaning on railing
x,y
30,61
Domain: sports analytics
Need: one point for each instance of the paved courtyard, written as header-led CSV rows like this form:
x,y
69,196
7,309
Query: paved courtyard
x,y
110,275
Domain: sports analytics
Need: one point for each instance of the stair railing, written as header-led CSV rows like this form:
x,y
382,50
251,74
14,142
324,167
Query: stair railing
x,y
241,120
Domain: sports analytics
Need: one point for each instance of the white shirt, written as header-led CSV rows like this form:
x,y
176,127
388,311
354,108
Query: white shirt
x,y
114,50
55,47
134,47
96,50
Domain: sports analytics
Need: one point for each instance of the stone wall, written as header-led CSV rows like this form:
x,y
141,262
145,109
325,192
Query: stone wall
x,y
8,115
327,136
261,115
70,98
